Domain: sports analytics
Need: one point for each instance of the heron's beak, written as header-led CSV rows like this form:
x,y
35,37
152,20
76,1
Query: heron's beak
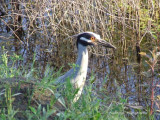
x,y
105,44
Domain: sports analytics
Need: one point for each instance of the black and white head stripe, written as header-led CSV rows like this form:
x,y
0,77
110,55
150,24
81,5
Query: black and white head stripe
x,y
90,38
88,34
87,38
95,35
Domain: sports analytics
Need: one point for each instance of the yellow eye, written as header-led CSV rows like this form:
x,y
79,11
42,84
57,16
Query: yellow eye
x,y
92,38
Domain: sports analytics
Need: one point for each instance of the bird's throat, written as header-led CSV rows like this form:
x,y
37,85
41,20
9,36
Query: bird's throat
x,y
81,66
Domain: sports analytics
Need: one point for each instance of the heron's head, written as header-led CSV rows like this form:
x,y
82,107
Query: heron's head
x,y
90,38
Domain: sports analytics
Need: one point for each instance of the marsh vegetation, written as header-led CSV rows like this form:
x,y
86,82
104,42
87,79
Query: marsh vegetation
x,y
36,47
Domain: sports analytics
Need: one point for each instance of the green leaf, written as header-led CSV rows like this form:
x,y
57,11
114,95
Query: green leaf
x,y
33,109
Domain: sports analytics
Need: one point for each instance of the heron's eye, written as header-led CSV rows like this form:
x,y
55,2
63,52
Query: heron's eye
x,y
92,38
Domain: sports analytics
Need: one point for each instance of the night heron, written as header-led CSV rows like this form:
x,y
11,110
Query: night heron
x,y
77,75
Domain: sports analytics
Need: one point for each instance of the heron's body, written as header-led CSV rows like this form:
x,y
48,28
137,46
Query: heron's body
x,y
77,74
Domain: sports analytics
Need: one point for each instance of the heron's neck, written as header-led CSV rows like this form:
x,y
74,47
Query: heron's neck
x,y
82,59
80,71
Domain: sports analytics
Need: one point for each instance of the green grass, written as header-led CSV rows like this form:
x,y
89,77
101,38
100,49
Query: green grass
x,y
13,107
